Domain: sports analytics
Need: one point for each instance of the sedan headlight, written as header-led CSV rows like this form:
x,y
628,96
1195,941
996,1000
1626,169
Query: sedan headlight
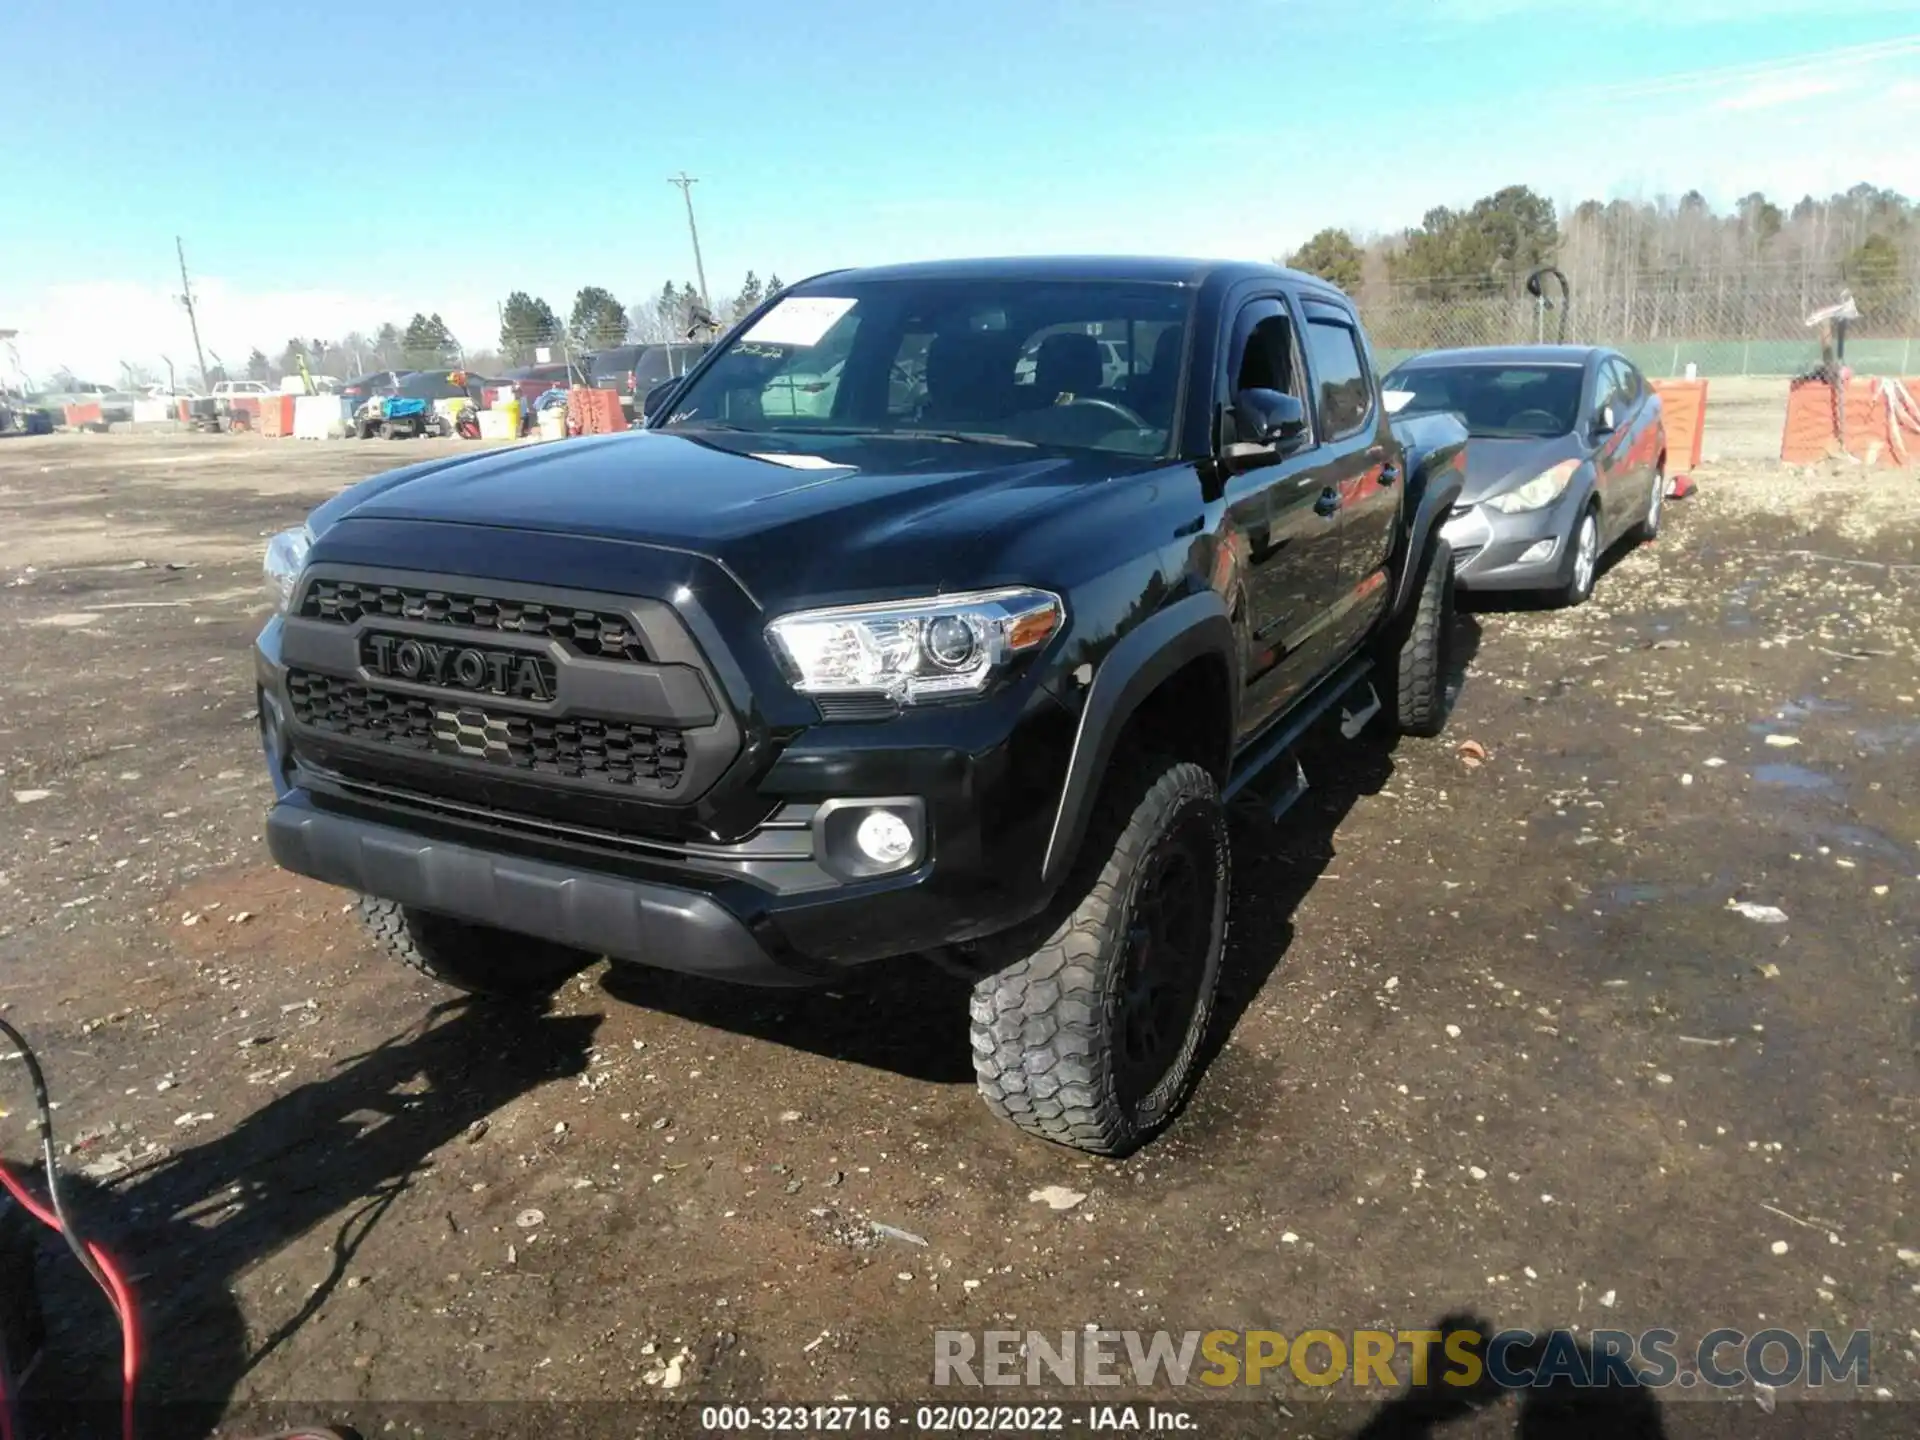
x,y
286,557
912,650
1537,493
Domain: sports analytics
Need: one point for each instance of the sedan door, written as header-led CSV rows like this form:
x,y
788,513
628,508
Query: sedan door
x,y
1612,436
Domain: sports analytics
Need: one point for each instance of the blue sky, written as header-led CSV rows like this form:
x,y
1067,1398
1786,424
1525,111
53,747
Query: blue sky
x,y
337,166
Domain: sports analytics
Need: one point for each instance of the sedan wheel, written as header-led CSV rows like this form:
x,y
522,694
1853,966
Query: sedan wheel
x,y
1650,527
1585,559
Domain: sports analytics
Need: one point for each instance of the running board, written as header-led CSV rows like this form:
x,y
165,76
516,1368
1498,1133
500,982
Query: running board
x,y
1352,722
1277,743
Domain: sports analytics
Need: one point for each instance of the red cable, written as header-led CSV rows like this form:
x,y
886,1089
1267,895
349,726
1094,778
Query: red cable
x,y
119,1296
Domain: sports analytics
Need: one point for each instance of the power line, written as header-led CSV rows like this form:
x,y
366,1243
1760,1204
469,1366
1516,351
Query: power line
x,y
686,183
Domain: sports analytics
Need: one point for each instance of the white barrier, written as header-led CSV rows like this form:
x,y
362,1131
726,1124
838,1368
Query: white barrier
x,y
319,417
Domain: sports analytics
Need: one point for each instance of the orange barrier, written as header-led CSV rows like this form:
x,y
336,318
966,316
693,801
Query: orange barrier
x,y
183,411
1809,432
276,416
80,416
1684,405
594,412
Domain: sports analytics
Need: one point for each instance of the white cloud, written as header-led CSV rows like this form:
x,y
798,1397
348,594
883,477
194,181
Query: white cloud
x,y
1771,94
91,326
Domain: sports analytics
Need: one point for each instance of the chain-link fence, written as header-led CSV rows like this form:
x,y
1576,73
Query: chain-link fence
x,y
1721,325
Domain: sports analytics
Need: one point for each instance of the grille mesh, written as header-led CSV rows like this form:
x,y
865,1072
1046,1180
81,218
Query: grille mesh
x,y
586,632
611,752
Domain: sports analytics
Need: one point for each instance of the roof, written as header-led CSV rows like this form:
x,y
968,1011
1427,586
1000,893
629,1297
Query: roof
x,y
1508,355
1151,269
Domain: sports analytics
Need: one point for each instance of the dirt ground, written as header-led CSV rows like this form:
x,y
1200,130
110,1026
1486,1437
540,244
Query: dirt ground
x,y
1494,1038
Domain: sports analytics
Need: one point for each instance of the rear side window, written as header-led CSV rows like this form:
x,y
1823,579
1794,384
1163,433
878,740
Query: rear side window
x,y
1342,394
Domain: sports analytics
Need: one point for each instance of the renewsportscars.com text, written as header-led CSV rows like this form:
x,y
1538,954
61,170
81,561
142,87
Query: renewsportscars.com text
x,y
1390,1359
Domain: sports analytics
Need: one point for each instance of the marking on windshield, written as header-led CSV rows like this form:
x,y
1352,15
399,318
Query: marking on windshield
x,y
803,462
800,320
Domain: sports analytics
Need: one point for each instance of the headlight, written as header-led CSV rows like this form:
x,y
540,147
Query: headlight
x,y
286,555
1542,490
914,649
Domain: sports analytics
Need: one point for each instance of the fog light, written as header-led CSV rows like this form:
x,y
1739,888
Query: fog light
x,y
1539,550
884,838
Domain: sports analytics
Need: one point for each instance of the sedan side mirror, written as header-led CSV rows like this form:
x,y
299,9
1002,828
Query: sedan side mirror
x,y
657,398
1269,417
1604,423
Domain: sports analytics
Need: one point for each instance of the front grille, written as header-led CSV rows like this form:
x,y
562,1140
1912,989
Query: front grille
x,y
585,632
610,752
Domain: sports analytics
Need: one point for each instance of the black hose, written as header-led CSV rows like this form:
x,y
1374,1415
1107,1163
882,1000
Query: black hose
x,y
1534,289
43,1120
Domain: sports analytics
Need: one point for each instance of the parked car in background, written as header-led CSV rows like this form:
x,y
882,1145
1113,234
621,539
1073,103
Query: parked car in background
x,y
378,382
233,389
530,382
632,370
1567,454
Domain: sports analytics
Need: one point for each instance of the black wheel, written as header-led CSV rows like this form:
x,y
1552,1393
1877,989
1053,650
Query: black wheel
x,y
1583,558
1649,528
1415,650
475,958
1090,1039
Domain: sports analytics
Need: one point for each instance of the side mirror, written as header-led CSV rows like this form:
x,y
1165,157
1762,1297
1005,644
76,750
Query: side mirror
x,y
657,398
1269,417
1604,423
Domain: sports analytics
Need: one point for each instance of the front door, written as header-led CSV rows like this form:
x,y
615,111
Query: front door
x,y
1613,468
1292,556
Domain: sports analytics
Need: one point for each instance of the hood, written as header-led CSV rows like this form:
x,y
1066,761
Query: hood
x,y
783,512
1496,466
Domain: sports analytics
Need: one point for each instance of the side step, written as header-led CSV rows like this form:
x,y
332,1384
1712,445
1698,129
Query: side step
x,y
1277,743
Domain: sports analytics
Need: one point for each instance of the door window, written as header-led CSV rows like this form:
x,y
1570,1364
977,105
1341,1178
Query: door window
x,y
1607,391
1344,395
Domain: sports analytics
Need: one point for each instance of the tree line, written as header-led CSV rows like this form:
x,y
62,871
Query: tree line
x,y
528,323
1646,269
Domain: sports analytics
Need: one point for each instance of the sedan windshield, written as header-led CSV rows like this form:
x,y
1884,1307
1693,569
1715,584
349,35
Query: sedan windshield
x,y
1086,365
1498,402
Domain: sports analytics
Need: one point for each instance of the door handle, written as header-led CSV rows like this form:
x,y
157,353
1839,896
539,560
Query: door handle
x,y
1389,473
1328,502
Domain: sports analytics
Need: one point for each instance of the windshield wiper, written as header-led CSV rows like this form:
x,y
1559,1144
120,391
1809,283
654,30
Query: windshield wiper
x,y
963,437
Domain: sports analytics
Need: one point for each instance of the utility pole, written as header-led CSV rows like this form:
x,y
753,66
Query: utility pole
x,y
686,183
186,299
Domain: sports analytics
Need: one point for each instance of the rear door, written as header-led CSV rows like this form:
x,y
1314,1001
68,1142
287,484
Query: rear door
x,y
1362,467
1281,510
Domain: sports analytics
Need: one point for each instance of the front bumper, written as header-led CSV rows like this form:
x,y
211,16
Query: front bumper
x,y
1496,551
602,914
776,900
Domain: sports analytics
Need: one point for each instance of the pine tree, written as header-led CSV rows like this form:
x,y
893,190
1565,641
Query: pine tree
x,y
426,345
525,324
598,322
258,366
749,296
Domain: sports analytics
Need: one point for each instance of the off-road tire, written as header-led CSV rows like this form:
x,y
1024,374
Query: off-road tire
x,y
1048,1030
1417,648
477,959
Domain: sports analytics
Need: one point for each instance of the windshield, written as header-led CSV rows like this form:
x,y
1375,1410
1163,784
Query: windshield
x,y
1084,365
1498,402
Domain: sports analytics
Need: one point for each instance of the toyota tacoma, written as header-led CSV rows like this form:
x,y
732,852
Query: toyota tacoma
x,y
963,659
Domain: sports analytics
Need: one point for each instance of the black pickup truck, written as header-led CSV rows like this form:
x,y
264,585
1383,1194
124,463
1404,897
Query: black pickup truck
x,y
965,660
